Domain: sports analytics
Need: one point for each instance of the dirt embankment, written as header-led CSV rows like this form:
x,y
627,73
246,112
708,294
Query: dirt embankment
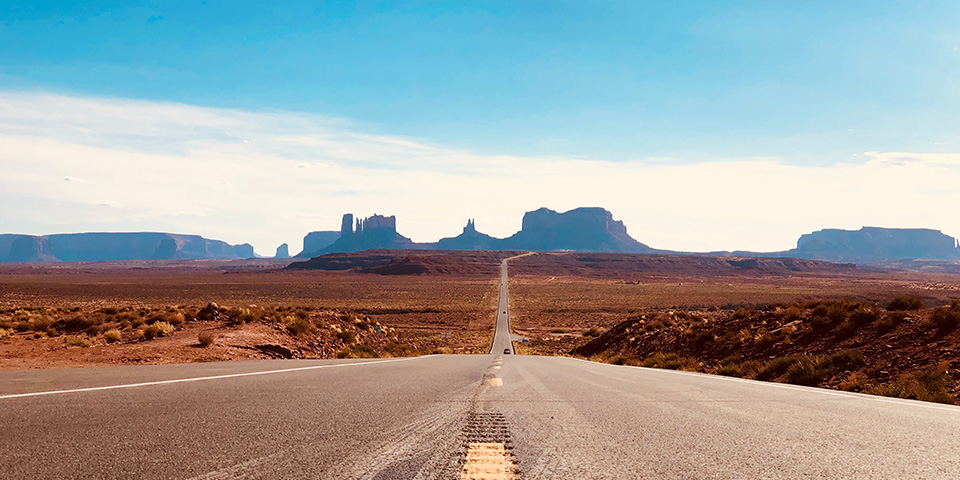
x,y
409,262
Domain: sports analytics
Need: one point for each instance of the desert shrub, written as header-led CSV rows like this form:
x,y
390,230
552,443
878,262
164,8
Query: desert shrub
x,y
945,319
905,303
558,330
94,330
931,384
777,367
346,336
624,360
112,336
442,351
764,341
864,315
299,327
137,322
593,332
359,351
74,324
78,342
846,329
109,311
172,318
240,316
792,313
889,322
743,312
158,329
4,333
396,350
670,361
807,369
53,332
205,339
735,366
703,339
855,382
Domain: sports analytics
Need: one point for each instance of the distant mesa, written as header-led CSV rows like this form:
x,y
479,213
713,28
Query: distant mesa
x,y
98,247
283,251
873,244
579,230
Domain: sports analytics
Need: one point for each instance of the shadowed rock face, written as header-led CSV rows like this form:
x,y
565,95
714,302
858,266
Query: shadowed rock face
x,y
316,241
373,232
470,239
580,229
94,247
875,244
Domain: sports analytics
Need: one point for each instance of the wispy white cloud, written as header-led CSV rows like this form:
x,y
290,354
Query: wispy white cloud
x,y
270,177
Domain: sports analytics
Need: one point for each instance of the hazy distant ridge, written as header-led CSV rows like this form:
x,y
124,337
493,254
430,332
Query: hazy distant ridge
x,y
97,247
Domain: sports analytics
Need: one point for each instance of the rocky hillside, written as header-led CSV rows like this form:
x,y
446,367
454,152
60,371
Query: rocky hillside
x,y
900,349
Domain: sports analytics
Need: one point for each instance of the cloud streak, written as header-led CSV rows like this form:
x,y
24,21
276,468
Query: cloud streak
x,y
270,177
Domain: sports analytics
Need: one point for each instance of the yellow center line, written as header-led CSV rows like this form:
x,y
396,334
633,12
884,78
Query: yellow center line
x,y
488,461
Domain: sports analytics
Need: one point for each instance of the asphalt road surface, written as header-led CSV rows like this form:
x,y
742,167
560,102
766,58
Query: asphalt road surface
x,y
413,418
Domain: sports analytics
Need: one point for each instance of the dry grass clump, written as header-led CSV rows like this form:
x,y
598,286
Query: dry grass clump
x,y
671,361
205,339
112,336
358,351
929,384
945,319
158,329
78,342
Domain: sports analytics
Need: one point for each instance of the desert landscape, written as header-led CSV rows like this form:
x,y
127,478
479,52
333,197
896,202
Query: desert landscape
x,y
863,329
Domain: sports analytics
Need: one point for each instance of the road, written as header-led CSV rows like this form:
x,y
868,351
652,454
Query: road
x,y
416,418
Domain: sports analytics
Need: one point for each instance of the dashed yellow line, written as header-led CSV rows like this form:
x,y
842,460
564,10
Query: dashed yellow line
x,y
488,461
495,382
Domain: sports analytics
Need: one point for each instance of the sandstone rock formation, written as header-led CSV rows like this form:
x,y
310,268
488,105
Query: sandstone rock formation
x,y
283,251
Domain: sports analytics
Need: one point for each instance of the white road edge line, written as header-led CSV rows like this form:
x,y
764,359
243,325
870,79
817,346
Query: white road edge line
x,y
787,386
198,379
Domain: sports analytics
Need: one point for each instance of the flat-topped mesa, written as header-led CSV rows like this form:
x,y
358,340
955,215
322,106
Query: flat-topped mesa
x,y
589,229
112,246
876,243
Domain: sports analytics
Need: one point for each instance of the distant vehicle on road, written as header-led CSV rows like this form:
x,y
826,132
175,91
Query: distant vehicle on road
x,y
506,351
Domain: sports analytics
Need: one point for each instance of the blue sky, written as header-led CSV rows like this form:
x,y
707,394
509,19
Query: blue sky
x,y
805,84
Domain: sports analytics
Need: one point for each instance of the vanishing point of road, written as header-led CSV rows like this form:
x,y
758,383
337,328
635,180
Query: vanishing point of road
x,y
437,416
